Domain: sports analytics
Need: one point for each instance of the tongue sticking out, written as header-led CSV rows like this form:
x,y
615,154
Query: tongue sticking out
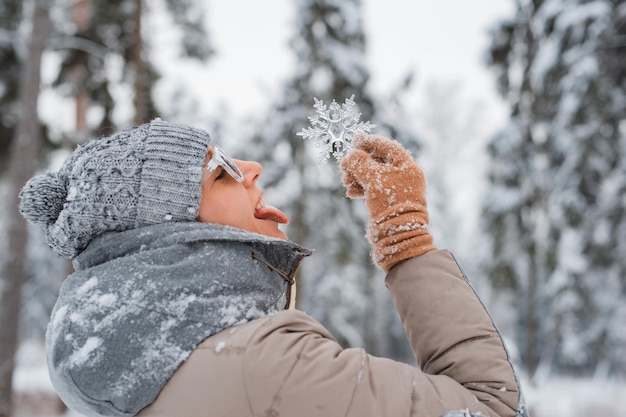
x,y
271,213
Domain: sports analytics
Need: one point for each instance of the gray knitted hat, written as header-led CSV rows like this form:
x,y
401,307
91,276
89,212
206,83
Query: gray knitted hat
x,y
141,176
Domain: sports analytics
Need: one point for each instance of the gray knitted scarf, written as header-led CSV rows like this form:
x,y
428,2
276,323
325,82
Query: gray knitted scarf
x,y
141,300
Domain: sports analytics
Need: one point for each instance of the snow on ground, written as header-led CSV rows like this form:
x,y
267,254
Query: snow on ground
x,y
31,373
566,397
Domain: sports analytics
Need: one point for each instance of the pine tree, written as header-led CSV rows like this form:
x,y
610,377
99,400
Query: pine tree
x,y
104,32
330,33
330,54
10,18
555,209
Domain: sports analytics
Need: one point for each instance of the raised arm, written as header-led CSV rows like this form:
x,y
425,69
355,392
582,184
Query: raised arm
x,y
450,331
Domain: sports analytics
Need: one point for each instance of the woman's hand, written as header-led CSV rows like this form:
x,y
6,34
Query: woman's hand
x,y
394,187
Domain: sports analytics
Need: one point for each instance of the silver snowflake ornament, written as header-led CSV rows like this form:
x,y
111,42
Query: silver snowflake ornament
x,y
334,127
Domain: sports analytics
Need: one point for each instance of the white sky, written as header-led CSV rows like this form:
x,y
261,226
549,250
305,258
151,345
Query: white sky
x,y
442,40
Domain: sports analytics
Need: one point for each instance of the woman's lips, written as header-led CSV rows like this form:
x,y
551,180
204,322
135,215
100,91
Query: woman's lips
x,y
264,212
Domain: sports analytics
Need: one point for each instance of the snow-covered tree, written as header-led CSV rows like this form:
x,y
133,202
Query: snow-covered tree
x,y
10,17
104,44
555,207
451,123
340,287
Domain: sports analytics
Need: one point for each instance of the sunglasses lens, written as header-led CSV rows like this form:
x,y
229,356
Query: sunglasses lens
x,y
232,169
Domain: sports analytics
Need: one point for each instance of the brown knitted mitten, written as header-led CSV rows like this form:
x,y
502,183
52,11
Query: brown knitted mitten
x,y
394,187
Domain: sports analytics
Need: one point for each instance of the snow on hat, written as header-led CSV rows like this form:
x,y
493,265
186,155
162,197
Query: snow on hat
x,y
141,176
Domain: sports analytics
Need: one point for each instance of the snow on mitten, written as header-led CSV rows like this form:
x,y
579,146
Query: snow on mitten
x,y
394,187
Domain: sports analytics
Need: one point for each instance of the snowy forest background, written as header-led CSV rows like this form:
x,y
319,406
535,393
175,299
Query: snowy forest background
x,y
535,210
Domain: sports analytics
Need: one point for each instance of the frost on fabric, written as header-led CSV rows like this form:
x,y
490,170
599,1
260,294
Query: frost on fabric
x,y
87,286
158,356
76,318
107,300
83,354
179,306
238,311
220,346
104,331
230,314
58,316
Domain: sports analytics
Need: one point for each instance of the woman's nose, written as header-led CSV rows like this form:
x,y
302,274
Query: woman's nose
x,y
251,171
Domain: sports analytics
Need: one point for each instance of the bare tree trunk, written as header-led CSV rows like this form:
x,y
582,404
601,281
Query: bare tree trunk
x,y
142,108
23,162
81,15
533,323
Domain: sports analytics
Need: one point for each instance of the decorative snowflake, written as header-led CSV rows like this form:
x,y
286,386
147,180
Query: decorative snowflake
x,y
334,127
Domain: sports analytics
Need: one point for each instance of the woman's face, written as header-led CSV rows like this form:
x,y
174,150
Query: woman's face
x,y
239,204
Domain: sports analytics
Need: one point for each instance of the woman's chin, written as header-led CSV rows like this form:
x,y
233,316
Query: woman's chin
x,y
270,228
279,234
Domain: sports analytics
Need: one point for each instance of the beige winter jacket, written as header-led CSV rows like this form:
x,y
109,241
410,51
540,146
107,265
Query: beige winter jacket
x,y
289,365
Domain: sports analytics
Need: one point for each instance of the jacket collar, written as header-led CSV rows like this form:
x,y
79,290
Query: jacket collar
x,y
141,300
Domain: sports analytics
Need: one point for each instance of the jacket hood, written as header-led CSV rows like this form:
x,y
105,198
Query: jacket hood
x,y
141,300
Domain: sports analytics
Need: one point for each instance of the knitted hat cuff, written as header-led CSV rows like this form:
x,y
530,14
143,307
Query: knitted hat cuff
x,y
171,177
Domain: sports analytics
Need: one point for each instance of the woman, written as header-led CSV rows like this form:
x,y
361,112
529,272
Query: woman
x,y
178,306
